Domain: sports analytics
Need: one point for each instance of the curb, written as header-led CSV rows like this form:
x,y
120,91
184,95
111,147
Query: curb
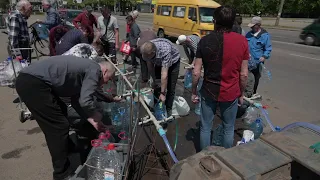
x,y
282,28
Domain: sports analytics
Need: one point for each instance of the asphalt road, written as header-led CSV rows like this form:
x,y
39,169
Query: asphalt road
x,y
292,96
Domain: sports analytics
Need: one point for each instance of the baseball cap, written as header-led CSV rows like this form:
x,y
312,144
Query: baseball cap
x,y
89,8
255,20
181,39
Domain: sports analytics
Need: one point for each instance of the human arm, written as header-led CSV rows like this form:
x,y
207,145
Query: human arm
x,y
244,71
164,83
116,31
188,53
14,29
51,19
77,20
89,87
267,48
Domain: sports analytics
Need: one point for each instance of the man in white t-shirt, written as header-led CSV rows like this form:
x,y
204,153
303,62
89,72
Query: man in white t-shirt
x,y
108,33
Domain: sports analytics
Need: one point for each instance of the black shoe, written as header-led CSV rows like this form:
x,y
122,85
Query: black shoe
x,y
69,177
17,100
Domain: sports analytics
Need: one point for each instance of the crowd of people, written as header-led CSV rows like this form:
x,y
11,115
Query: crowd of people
x,y
228,56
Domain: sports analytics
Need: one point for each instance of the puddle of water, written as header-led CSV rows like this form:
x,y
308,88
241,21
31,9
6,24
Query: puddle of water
x,y
15,153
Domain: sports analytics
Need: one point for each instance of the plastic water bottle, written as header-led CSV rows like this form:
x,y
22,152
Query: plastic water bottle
x,y
266,74
113,164
24,63
160,111
257,128
96,161
188,79
217,136
197,110
102,161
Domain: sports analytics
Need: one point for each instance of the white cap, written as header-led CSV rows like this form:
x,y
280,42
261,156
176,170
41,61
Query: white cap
x,y
181,39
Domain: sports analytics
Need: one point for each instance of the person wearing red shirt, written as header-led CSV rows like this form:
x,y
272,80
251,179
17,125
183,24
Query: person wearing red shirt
x,y
135,15
87,19
224,55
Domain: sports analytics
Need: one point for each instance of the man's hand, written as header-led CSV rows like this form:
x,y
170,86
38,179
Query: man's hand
x,y
19,58
262,59
117,47
117,99
241,100
162,98
195,98
95,121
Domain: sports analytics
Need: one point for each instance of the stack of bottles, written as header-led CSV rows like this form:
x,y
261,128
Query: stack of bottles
x,y
103,162
121,85
188,79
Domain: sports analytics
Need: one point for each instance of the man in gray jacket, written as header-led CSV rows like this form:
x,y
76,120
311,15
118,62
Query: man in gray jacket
x,y
53,18
41,87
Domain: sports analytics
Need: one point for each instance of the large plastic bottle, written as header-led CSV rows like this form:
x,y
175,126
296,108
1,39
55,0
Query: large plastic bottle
x,y
160,111
102,161
113,164
257,128
251,114
24,63
188,79
266,74
217,136
96,161
197,109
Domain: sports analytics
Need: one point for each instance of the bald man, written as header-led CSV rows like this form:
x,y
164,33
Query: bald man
x,y
41,86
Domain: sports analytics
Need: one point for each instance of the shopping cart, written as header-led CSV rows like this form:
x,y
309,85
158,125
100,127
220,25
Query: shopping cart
x,y
25,114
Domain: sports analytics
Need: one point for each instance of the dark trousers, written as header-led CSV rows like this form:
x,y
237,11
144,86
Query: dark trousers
x,y
26,54
51,115
173,74
257,74
110,49
143,65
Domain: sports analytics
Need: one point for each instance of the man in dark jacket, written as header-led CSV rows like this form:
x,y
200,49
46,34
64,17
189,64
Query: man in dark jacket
x,y
133,37
72,38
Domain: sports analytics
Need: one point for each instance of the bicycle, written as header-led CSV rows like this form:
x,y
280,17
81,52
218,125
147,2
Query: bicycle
x,y
41,45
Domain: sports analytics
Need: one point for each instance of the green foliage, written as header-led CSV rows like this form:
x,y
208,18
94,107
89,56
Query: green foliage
x,y
4,4
271,7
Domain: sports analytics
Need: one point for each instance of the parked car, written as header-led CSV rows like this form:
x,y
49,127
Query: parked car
x,y
67,15
311,34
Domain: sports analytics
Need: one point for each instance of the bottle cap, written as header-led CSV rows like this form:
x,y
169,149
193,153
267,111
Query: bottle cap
x,y
110,146
258,120
102,136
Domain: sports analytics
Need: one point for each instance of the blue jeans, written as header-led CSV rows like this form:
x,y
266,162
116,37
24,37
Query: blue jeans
x,y
228,114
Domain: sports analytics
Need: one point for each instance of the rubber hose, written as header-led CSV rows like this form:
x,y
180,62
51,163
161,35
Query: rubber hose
x,y
173,156
177,133
303,124
267,118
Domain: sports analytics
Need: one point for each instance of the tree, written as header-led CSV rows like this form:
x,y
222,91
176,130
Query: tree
x,y
4,4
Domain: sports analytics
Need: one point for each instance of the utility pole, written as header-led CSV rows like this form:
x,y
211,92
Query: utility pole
x,y
279,13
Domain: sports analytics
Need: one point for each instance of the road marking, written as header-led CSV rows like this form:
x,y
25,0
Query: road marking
x,y
305,57
300,45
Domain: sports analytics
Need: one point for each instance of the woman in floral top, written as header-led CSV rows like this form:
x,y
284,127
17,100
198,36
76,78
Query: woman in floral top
x,y
85,51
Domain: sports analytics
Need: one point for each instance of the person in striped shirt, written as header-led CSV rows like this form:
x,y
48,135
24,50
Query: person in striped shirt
x,y
190,44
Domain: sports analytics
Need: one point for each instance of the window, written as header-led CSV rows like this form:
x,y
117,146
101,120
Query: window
x,y
158,10
166,10
192,14
179,11
206,14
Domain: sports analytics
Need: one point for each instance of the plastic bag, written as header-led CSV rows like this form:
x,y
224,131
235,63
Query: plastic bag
x,y
125,47
246,137
180,107
148,97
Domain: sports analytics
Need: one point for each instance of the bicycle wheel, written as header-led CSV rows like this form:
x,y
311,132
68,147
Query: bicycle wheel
x,y
42,46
